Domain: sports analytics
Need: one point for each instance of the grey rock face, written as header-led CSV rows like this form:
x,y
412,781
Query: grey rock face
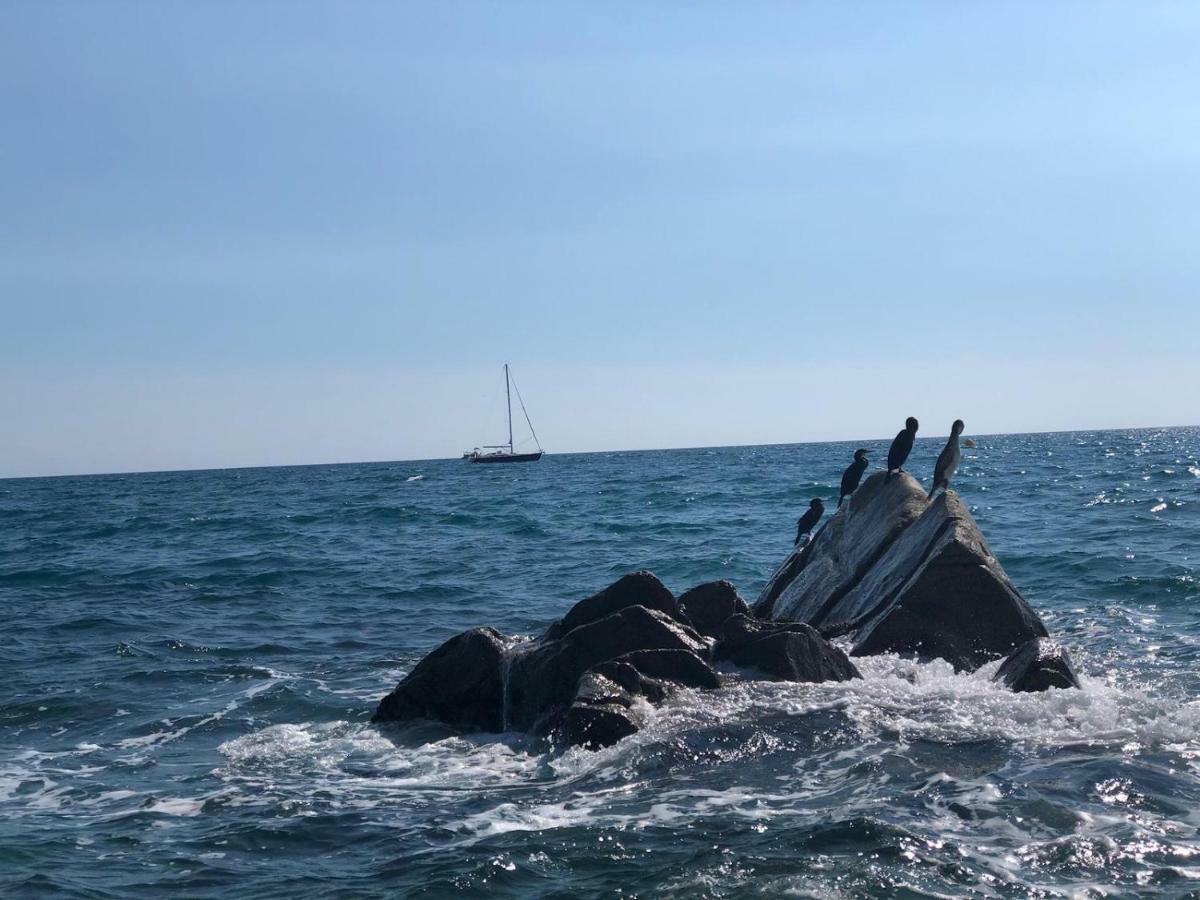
x,y
844,550
939,592
1037,665
903,575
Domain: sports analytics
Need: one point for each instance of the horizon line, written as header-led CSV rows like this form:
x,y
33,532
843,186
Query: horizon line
x,y
376,462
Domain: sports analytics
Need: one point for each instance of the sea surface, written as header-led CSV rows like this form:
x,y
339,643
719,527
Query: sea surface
x,y
189,662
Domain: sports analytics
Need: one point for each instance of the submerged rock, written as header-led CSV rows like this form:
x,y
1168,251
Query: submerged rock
x,y
459,683
597,726
707,606
1037,665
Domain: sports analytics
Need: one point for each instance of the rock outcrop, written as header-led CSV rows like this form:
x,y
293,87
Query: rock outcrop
x,y
544,678
1037,665
900,574
589,679
635,589
707,606
460,683
892,571
817,575
785,651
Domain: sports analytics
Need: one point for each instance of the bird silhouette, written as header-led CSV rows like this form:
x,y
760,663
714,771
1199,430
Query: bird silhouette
x,y
809,520
902,446
853,474
948,459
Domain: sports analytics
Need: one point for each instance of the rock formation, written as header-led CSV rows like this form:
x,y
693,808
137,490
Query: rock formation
x,y
900,574
707,606
891,570
787,651
460,683
587,679
1037,665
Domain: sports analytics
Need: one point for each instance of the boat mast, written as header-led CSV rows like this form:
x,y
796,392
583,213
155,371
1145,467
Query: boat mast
x,y
508,397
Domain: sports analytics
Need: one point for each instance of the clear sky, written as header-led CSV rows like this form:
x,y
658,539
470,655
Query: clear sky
x,y
256,233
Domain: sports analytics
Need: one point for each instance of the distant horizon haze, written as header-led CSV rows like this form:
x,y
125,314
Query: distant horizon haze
x,y
276,233
876,464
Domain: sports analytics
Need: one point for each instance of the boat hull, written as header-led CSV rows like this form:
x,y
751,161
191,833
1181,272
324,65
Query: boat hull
x,y
505,457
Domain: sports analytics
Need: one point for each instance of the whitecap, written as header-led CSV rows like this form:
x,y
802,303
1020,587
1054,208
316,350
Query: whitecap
x,y
177,806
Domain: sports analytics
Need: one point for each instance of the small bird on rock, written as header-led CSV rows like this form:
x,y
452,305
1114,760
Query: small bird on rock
x,y
853,474
809,520
947,461
902,446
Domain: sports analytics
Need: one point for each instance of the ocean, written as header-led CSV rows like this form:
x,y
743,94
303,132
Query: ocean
x,y
190,661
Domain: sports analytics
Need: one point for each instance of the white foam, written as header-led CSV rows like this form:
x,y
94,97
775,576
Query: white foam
x,y
177,806
896,702
364,763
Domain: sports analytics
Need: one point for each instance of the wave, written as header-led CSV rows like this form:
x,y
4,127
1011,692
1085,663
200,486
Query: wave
x,y
898,705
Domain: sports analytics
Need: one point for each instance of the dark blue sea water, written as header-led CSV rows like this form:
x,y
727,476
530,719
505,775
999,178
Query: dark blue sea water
x,y
190,659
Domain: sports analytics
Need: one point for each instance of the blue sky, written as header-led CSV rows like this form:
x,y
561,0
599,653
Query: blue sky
x,y
244,234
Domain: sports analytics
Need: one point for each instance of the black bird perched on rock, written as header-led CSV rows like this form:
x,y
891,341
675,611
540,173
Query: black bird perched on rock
x,y
948,459
902,446
853,474
809,520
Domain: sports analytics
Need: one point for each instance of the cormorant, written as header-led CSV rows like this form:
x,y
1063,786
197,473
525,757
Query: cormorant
x,y
853,474
809,520
947,461
902,446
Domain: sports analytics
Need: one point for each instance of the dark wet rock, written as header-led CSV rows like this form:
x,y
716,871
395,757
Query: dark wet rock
x,y
813,578
740,630
1037,665
795,653
602,712
654,690
939,592
546,676
597,690
636,589
707,606
597,726
621,673
459,683
675,666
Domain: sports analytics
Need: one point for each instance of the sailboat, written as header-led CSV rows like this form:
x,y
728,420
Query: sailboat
x,y
503,453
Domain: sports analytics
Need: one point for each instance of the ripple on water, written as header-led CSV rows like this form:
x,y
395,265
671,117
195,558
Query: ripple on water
x,y
197,654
